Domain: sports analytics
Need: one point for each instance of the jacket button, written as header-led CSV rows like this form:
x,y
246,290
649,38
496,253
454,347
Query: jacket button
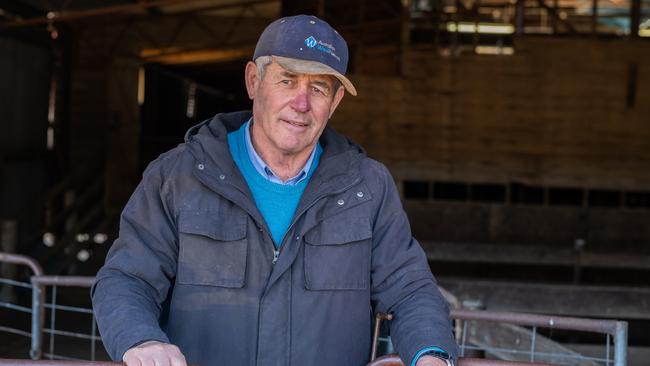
x,y
360,194
340,202
222,176
201,166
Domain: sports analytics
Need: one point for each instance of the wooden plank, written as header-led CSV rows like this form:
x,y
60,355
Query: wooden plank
x,y
544,114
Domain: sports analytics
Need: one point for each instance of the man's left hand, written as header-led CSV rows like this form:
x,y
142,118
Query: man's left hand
x,y
430,361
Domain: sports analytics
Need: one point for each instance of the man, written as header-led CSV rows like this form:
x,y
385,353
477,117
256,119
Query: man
x,y
267,238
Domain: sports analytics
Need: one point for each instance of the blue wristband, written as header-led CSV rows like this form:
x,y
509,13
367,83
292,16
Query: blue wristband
x,y
434,351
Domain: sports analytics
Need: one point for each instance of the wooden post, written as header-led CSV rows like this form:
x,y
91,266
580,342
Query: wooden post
x,y
405,36
635,18
594,17
8,241
519,17
477,18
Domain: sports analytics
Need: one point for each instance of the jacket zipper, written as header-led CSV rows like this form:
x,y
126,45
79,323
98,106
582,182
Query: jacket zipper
x,y
276,252
276,255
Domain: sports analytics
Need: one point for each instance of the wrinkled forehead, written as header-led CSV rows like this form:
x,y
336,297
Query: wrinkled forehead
x,y
285,71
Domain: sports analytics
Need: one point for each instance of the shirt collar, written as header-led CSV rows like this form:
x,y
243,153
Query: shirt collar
x,y
265,171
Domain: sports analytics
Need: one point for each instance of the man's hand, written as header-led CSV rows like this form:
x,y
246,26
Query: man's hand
x,y
154,353
430,361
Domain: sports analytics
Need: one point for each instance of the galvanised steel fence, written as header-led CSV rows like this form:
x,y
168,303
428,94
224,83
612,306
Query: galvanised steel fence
x,y
515,337
14,306
382,361
52,308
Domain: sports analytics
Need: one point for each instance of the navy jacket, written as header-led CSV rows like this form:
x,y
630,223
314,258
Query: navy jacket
x,y
193,264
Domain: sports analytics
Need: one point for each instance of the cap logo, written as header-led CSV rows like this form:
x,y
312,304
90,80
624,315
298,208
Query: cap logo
x,y
311,42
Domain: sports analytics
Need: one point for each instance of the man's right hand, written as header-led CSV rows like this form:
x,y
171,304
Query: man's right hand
x,y
154,353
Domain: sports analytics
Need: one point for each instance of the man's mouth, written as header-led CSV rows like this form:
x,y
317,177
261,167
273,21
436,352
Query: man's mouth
x,y
296,123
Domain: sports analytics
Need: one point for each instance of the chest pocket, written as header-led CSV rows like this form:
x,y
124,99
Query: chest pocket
x,y
213,249
337,254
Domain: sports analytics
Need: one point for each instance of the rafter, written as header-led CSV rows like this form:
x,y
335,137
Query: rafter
x,y
118,9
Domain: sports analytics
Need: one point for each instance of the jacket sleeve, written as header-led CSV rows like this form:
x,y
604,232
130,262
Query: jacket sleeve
x,y
402,283
135,280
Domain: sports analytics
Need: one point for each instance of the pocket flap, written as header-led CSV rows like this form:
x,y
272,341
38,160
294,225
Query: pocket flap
x,y
213,225
339,230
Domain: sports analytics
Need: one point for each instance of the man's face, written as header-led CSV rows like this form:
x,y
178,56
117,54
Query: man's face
x,y
290,110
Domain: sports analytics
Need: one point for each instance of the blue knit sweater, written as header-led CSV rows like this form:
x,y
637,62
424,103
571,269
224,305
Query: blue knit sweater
x,y
277,202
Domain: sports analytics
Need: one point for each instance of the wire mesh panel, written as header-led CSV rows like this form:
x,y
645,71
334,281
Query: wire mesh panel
x,y
16,316
540,338
69,329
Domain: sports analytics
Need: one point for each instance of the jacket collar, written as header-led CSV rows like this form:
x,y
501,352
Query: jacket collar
x,y
208,142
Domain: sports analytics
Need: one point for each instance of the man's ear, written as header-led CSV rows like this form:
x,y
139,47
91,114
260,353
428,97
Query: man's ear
x,y
252,79
337,99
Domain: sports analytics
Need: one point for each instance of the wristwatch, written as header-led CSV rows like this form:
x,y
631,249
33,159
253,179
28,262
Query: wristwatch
x,y
441,355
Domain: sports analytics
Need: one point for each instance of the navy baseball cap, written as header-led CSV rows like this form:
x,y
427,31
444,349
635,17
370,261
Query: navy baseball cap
x,y
307,45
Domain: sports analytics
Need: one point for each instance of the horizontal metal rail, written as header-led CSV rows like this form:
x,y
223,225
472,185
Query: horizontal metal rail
x,y
390,360
12,362
535,320
617,329
66,281
37,321
15,362
21,259
394,360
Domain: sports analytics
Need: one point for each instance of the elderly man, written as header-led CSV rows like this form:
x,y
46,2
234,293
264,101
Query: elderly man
x,y
267,238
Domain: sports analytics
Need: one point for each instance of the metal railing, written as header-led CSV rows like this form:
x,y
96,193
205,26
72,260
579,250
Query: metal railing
x,y
394,360
36,269
390,360
510,336
40,307
532,345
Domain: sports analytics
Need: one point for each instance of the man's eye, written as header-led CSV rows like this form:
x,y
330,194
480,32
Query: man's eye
x,y
317,90
285,82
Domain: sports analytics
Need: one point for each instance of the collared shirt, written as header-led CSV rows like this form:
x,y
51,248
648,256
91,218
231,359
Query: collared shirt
x,y
264,169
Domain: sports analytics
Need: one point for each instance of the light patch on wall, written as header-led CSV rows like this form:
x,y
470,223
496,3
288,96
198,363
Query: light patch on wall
x,y
50,138
51,114
494,50
487,28
141,86
190,111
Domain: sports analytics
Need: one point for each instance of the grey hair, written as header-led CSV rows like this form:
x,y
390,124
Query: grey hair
x,y
263,61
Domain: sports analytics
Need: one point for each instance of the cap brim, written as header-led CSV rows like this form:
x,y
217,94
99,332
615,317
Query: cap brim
x,y
314,68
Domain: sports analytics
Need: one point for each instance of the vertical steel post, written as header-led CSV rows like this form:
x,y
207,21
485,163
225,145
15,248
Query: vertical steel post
x,y
38,319
620,344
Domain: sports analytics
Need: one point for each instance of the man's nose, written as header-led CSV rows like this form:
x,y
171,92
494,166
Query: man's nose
x,y
300,101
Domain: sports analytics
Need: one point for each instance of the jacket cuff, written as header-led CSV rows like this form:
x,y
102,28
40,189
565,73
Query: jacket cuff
x,y
424,351
410,347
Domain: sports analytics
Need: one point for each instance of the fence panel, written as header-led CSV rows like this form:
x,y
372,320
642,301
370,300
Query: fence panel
x,y
75,316
14,304
516,337
391,360
527,337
